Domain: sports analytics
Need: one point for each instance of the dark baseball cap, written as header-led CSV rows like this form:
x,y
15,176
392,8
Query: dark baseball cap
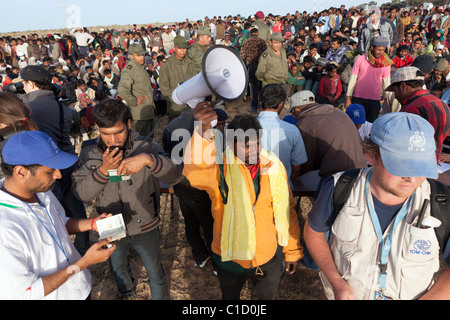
x,y
34,73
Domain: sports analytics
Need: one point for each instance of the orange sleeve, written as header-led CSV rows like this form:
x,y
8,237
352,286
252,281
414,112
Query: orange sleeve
x,y
200,165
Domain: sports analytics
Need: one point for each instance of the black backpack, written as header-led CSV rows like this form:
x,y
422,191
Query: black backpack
x,y
440,208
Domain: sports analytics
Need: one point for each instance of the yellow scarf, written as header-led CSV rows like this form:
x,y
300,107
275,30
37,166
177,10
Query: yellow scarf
x,y
238,239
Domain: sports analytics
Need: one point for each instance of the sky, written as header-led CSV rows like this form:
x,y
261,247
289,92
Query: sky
x,y
27,15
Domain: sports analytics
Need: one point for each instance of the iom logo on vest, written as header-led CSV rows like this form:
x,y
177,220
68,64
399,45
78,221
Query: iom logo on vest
x,y
417,141
421,247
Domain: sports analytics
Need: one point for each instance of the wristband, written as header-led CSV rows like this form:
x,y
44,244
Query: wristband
x,y
92,224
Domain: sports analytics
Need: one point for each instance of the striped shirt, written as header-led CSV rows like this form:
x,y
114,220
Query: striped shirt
x,y
434,110
330,87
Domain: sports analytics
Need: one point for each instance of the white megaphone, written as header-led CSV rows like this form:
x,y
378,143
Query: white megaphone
x,y
223,75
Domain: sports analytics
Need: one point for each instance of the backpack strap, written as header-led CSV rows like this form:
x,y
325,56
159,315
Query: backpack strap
x,y
440,209
343,188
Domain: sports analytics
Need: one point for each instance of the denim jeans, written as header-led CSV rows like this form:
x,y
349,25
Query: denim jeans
x,y
307,259
147,245
312,85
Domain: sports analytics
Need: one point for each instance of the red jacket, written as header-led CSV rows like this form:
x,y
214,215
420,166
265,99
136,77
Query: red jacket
x,y
406,61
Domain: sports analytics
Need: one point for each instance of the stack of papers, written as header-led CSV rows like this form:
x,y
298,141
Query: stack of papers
x,y
112,227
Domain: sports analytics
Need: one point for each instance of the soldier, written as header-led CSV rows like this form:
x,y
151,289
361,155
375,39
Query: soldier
x,y
273,66
176,69
198,49
264,29
135,89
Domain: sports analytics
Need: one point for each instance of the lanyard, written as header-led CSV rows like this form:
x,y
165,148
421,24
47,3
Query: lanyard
x,y
58,242
387,244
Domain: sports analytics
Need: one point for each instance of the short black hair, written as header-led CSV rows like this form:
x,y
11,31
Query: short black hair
x,y
403,47
272,95
245,123
8,169
108,112
331,67
308,59
337,39
45,84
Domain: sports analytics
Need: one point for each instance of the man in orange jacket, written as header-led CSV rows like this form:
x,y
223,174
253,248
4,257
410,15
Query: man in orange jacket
x,y
244,182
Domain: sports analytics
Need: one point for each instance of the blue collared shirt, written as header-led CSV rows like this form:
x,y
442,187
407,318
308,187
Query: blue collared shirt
x,y
284,139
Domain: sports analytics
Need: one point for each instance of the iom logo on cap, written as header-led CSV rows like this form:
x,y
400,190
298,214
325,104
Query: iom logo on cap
x,y
53,144
417,141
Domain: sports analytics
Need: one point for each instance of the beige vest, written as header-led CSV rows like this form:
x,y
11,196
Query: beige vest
x,y
412,261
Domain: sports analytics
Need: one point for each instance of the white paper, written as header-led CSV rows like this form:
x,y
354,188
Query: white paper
x,y
442,167
112,227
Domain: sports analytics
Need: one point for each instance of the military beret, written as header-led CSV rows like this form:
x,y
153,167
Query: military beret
x,y
34,73
259,15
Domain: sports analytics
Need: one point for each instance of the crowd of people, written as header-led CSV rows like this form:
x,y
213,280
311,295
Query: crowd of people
x,y
366,95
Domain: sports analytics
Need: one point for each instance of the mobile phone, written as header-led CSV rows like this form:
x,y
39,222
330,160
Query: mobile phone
x,y
111,149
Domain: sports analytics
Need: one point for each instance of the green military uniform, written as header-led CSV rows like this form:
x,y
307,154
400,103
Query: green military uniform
x,y
173,71
263,30
134,82
271,67
196,52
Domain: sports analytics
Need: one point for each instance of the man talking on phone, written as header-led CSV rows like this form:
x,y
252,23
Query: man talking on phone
x,y
121,170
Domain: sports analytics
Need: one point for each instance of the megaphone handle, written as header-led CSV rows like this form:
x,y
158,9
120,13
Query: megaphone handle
x,y
193,104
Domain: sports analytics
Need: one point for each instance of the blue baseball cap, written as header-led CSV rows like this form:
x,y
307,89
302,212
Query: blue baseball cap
x,y
407,144
36,147
357,113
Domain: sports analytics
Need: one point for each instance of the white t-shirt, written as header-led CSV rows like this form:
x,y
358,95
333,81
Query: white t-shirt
x,y
29,250
364,130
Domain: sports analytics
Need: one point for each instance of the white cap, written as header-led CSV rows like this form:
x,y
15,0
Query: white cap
x,y
301,98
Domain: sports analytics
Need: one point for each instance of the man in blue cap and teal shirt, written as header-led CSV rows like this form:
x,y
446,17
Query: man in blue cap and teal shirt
x,y
383,244
357,113
38,258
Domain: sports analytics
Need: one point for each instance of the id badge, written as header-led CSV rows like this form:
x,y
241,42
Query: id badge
x,y
380,296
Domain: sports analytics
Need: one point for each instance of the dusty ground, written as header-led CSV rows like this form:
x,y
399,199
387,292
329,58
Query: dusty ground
x,y
185,281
